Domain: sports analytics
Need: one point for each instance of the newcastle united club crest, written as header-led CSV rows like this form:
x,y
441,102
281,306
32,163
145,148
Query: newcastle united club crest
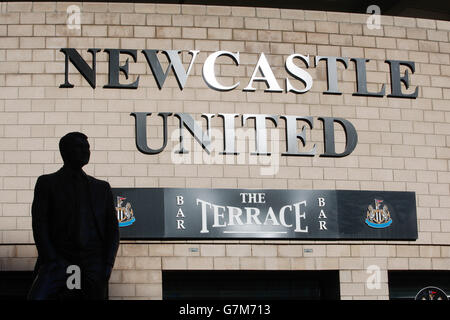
x,y
378,217
125,214
431,293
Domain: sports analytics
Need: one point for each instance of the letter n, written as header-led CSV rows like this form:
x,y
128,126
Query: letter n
x,y
88,73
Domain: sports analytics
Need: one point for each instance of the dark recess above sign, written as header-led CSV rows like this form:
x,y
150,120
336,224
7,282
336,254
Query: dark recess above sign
x,y
431,9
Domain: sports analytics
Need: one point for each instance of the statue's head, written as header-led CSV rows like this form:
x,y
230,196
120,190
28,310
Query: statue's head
x,y
74,148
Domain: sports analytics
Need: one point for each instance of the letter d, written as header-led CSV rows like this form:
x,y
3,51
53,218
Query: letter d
x,y
328,131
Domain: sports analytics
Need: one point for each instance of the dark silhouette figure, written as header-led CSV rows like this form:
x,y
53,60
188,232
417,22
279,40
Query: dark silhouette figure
x,y
74,224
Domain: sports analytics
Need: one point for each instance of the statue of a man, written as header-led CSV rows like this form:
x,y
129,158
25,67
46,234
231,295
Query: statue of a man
x,y
74,225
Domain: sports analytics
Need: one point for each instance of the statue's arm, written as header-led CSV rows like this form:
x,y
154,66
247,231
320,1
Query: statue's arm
x,y
112,226
40,221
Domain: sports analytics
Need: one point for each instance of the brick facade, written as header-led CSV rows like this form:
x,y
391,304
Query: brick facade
x,y
403,143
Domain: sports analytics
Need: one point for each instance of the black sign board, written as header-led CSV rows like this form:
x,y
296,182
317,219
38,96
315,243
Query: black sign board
x,y
175,213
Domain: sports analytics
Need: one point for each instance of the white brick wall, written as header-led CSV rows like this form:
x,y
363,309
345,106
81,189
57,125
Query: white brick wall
x,y
403,144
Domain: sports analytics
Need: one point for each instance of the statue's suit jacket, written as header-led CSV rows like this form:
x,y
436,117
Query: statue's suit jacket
x,y
52,209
